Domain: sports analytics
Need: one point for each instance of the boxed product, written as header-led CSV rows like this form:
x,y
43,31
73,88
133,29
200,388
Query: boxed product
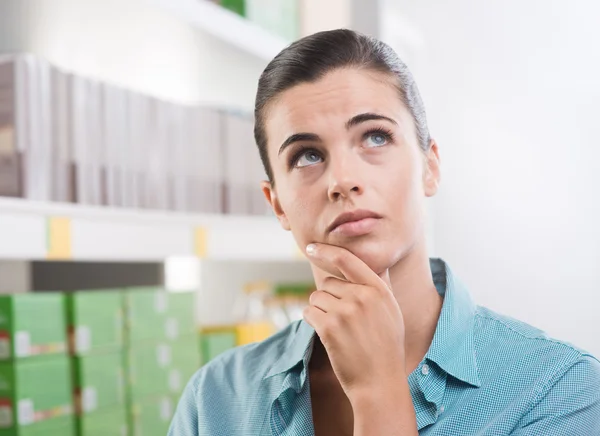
x,y
110,421
59,426
152,416
237,6
153,314
32,391
31,324
98,381
216,340
10,178
94,321
162,368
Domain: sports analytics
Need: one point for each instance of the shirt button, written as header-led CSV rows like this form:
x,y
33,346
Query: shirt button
x,y
442,409
425,369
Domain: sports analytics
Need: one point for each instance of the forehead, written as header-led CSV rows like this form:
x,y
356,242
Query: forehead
x,y
329,102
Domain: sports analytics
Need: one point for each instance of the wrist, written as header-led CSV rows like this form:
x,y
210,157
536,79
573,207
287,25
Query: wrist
x,y
385,391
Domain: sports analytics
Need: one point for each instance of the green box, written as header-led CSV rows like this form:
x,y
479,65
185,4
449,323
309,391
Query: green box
x,y
111,421
152,416
99,381
237,6
34,390
157,315
162,368
94,320
31,325
213,343
59,426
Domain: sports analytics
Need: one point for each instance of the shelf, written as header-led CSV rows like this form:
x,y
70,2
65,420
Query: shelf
x,y
39,231
227,26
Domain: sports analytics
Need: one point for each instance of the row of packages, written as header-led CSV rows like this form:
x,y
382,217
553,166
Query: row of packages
x,y
67,138
91,321
132,354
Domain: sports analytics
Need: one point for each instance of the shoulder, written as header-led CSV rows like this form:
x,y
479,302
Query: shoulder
x,y
243,367
505,343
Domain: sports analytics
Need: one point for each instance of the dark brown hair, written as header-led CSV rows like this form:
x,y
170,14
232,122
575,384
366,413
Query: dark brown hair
x,y
310,58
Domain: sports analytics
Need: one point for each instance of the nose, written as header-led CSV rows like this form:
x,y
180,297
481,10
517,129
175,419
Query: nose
x,y
344,178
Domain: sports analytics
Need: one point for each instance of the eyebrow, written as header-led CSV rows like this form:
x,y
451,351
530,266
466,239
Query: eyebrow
x,y
369,116
354,121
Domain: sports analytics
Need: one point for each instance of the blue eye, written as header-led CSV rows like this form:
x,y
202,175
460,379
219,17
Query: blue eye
x,y
377,139
307,158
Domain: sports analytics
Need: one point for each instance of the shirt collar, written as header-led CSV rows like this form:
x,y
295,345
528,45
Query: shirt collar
x,y
452,347
299,350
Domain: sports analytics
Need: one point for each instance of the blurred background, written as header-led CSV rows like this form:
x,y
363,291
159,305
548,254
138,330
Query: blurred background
x,y
134,241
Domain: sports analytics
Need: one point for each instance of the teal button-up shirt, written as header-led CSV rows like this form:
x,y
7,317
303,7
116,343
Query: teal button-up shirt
x,y
484,374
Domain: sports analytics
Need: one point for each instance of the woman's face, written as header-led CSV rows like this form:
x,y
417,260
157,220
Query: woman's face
x,y
347,167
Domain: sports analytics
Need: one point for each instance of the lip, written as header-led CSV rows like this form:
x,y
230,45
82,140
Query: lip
x,y
354,223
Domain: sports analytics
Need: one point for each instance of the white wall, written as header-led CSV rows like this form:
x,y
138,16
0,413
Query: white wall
x,y
133,44
512,91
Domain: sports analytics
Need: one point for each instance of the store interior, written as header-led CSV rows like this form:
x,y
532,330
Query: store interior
x,y
136,244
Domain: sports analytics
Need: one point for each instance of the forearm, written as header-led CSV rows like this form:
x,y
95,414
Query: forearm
x,y
387,411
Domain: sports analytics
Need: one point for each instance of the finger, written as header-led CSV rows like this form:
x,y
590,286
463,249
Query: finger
x,y
323,300
336,287
314,316
342,263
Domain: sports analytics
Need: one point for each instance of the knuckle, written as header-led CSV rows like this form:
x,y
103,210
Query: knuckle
x,y
361,299
352,310
332,325
314,297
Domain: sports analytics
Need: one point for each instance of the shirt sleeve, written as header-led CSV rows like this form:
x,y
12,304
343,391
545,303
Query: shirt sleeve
x,y
570,404
185,420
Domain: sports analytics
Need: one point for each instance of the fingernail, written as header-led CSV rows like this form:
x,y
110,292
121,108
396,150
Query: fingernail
x,y
310,249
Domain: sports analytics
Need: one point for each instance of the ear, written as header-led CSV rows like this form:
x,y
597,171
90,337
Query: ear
x,y
271,195
432,174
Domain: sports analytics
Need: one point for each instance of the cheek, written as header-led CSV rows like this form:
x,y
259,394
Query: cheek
x,y
302,212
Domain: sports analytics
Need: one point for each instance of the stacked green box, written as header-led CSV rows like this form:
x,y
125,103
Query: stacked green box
x,y
152,416
99,381
110,421
216,340
35,397
31,325
155,315
95,321
162,368
95,324
162,355
35,387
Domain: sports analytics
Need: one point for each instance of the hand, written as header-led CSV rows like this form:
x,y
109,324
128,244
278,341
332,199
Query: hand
x,y
358,320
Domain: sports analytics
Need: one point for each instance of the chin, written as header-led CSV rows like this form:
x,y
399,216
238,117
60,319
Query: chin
x,y
379,256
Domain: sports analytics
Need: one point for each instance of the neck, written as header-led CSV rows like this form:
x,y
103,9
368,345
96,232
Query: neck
x,y
419,301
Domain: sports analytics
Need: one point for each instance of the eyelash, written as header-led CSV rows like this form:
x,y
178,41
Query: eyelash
x,y
388,134
301,151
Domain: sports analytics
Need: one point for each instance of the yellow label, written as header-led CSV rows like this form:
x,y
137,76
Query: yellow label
x,y
59,238
200,241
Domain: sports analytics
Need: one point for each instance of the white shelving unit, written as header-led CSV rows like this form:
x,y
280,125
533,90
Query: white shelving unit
x,y
226,26
33,231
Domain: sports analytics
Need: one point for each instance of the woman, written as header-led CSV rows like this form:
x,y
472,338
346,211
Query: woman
x,y
391,343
